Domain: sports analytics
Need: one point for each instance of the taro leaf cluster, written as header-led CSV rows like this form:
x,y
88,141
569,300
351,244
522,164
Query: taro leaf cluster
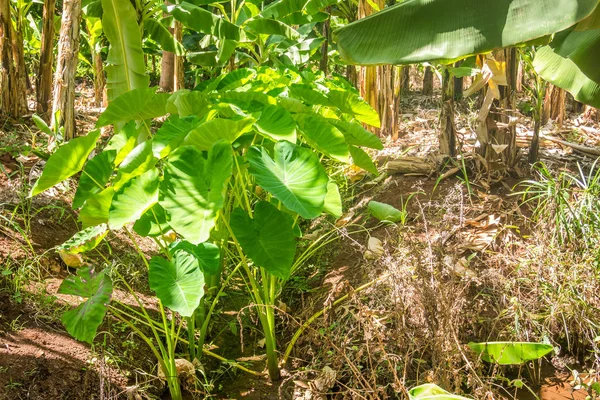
x,y
244,150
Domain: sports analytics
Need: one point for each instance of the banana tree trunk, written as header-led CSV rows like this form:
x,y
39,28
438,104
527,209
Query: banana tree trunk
x,y
167,71
509,155
447,134
405,81
555,105
178,72
99,81
427,82
43,83
380,86
324,62
66,68
13,90
458,84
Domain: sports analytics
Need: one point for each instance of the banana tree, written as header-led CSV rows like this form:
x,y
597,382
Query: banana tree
x,y
445,31
13,89
247,33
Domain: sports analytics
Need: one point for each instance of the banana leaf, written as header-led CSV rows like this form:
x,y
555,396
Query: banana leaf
x,y
126,69
416,31
581,44
565,74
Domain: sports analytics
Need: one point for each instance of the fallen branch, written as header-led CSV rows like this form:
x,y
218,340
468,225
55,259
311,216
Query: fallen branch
x,y
410,165
583,149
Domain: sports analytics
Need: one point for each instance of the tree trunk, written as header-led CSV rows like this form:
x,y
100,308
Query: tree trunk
x,y
99,80
66,68
458,84
178,71
380,86
428,82
13,90
43,84
405,81
167,71
509,155
555,105
352,76
447,135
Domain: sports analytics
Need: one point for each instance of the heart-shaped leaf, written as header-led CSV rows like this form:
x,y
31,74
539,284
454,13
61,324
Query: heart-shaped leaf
x,y
268,239
193,189
137,104
66,161
133,199
83,322
361,159
179,283
333,200
95,209
295,177
207,254
323,136
207,134
276,123
94,177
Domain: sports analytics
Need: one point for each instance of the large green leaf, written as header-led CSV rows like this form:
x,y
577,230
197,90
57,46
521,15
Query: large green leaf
x,y
351,103
207,254
124,141
84,240
152,223
179,283
66,161
415,31
268,26
133,199
510,353
431,391
193,189
581,44
333,200
361,159
83,322
565,74
171,134
282,8
200,20
384,212
136,104
94,177
126,69
268,239
357,135
295,177
323,136
187,102
207,134
161,35
138,161
95,209
276,123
